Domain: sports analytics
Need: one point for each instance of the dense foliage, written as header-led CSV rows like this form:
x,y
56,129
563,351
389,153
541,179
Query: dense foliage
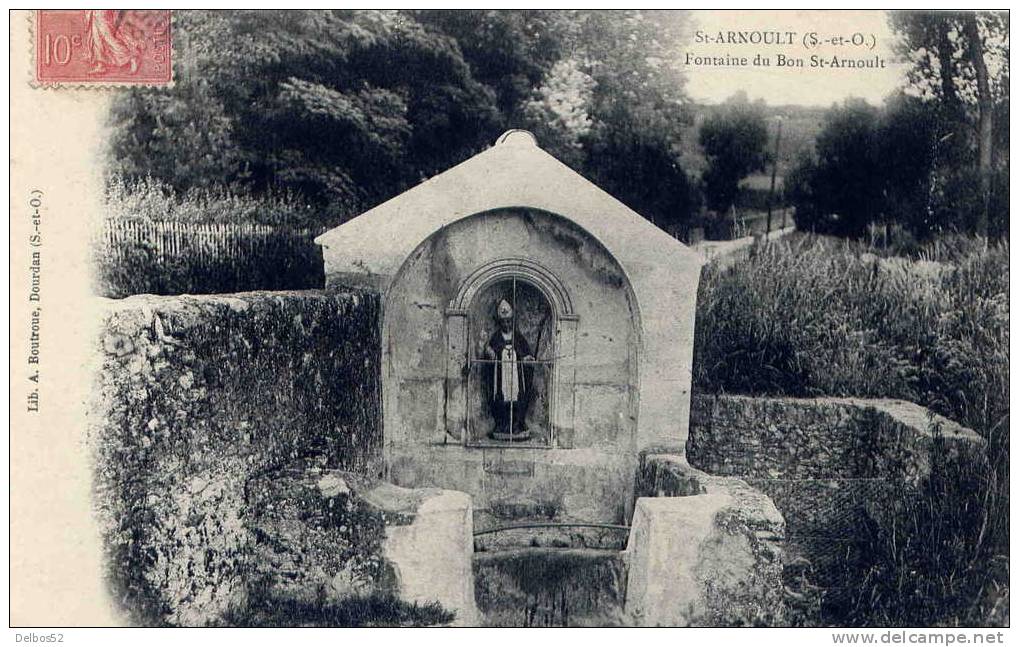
x,y
734,140
340,110
901,163
933,159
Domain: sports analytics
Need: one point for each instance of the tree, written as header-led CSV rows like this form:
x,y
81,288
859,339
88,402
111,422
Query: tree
x,y
877,166
734,140
975,48
960,62
638,109
840,190
558,111
603,91
907,137
344,109
634,161
511,52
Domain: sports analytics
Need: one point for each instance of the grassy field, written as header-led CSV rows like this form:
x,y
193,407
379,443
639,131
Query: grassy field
x,y
809,316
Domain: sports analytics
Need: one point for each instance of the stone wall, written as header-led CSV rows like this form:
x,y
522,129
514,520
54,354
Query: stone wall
x,y
833,466
824,461
822,438
196,399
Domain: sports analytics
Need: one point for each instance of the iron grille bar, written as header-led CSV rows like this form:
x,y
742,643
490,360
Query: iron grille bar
x,y
606,526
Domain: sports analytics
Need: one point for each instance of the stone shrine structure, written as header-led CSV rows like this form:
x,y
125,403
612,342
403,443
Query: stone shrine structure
x,y
532,341
603,300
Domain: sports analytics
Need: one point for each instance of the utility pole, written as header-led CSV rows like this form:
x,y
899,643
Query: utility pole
x,y
774,170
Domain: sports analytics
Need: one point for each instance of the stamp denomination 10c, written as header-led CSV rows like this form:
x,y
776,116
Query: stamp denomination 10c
x,y
103,47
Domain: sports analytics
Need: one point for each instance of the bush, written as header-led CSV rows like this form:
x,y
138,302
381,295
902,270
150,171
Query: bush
x,y
809,316
375,610
733,140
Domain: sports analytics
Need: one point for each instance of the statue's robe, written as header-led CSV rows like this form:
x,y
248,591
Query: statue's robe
x,y
508,382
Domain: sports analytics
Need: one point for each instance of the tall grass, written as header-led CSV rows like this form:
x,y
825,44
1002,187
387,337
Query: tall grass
x,y
284,258
150,199
813,316
810,316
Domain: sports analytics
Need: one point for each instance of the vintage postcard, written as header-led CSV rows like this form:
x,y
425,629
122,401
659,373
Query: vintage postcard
x,y
511,318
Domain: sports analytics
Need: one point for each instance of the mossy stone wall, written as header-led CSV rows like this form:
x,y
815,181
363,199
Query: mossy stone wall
x,y
196,397
838,469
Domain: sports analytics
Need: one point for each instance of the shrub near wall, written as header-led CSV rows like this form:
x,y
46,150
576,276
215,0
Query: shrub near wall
x,y
196,397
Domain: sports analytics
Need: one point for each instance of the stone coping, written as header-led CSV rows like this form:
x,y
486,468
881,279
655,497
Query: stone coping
x,y
915,416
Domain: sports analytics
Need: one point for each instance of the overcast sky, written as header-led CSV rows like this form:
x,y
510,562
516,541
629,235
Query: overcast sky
x,y
781,86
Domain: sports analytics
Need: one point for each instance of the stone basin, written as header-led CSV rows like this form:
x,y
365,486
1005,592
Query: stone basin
x,y
550,587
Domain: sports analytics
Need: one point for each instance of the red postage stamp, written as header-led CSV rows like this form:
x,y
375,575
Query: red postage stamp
x,y
103,47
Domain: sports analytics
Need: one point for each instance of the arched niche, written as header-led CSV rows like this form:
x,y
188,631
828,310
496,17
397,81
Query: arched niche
x,y
548,323
425,328
583,468
531,271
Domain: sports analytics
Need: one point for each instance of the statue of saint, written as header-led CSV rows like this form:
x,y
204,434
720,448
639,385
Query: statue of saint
x,y
508,381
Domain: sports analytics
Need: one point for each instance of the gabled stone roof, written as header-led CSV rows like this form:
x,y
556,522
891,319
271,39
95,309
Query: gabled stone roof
x,y
515,172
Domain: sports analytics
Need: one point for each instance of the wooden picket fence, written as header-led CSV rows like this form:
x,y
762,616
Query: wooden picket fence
x,y
169,239
168,257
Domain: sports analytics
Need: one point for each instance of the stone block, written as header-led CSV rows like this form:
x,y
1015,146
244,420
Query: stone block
x,y
666,475
516,483
419,404
705,560
431,556
565,437
601,415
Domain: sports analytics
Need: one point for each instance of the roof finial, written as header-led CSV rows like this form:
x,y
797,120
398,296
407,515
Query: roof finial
x,y
517,137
